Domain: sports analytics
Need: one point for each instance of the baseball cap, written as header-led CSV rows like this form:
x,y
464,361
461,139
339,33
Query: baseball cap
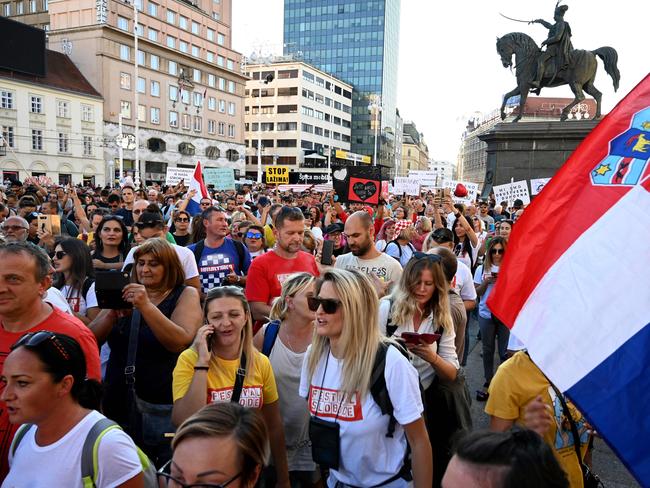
x,y
332,228
149,219
442,235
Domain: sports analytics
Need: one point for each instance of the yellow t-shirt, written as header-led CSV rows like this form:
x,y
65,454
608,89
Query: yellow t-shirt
x,y
269,237
515,384
259,387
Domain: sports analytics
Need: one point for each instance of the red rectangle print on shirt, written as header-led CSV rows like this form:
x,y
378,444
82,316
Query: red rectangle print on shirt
x,y
329,402
251,396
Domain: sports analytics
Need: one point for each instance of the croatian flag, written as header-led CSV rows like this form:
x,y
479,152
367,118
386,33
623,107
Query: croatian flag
x,y
574,286
196,183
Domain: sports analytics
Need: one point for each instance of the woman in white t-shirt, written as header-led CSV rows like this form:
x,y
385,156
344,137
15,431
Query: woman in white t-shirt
x,y
46,389
75,277
336,379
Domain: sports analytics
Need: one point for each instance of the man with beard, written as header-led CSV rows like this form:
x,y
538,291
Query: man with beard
x,y
364,256
267,272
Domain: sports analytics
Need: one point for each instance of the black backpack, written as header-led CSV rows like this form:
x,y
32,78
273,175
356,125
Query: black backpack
x,y
399,248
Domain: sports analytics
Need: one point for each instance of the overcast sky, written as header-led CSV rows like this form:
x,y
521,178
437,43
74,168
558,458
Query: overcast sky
x,y
449,67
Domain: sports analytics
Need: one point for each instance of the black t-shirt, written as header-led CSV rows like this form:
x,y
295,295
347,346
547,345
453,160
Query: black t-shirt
x,y
182,240
126,215
117,259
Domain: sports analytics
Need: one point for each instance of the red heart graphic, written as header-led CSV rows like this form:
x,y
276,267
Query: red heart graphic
x,y
460,191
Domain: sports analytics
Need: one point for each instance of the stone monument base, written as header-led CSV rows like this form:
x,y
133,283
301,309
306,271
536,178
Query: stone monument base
x,y
527,150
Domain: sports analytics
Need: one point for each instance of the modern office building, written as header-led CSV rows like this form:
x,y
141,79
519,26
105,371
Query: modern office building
x,y
51,125
189,84
358,42
301,116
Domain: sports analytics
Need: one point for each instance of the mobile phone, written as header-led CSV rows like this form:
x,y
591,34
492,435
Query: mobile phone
x,y
50,224
208,339
109,286
415,338
326,253
491,228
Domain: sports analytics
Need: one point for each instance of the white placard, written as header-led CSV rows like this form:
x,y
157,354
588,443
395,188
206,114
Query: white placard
x,y
472,190
175,175
537,184
426,178
509,192
410,186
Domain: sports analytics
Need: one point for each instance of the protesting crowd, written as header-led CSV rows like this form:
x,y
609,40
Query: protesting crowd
x,y
265,338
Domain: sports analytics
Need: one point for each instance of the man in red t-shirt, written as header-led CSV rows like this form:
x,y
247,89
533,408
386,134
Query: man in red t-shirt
x,y
24,280
268,271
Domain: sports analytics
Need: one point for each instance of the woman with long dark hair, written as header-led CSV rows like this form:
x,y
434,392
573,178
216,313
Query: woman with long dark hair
x,y
466,243
181,233
111,243
74,276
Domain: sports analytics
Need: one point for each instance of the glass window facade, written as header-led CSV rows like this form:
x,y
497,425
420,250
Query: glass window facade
x,y
358,42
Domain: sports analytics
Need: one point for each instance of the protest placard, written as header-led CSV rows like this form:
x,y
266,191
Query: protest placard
x,y
277,175
409,186
357,184
221,178
537,184
426,178
175,175
472,190
509,192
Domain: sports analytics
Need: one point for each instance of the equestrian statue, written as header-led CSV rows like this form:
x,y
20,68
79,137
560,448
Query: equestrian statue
x,y
558,65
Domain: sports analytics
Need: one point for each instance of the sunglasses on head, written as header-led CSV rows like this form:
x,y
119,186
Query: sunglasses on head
x,y
423,255
330,305
496,251
34,339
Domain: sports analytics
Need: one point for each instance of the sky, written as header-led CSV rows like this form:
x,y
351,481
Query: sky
x,y
448,65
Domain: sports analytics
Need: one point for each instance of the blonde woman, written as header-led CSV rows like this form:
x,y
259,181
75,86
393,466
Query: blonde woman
x,y
336,379
223,366
285,340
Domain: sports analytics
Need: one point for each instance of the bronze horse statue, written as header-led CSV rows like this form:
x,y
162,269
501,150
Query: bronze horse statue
x,y
579,75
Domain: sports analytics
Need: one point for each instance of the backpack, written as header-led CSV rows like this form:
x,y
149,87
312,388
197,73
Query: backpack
x,y
88,282
399,248
89,452
270,335
200,246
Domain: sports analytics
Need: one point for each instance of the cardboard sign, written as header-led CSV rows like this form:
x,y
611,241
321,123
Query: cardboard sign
x,y
175,175
509,192
358,184
277,175
410,186
50,224
537,185
426,178
221,178
472,190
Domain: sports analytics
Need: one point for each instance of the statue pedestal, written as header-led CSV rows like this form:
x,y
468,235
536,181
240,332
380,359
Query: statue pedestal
x,y
528,150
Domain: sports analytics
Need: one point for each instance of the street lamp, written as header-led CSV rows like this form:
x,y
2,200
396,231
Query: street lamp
x,y
267,79
375,108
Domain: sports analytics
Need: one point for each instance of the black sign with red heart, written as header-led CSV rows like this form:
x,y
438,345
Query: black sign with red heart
x,y
366,191
357,184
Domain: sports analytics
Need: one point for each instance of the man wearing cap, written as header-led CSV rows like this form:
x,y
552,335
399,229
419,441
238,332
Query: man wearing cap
x,y
151,225
364,256
401,248
334,233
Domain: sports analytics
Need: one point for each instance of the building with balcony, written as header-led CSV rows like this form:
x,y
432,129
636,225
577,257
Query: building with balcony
x,y
51,125
299,119
415,153
189,84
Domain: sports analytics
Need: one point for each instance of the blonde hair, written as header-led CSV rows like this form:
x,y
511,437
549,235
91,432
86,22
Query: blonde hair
x,y
360,336
246,343
293,285
405,305
425,224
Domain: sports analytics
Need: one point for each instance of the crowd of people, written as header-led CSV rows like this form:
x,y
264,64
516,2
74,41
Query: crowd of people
x,y
271,338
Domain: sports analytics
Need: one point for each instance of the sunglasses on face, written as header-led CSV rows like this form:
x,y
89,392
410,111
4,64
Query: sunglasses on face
x,y
60,254
34,339
330,305
253,235
496,251
182,219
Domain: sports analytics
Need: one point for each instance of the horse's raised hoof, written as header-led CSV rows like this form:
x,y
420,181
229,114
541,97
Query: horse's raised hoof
x,y
503,115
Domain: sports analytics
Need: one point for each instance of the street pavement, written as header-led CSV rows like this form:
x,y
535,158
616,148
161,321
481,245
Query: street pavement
x,y
605,463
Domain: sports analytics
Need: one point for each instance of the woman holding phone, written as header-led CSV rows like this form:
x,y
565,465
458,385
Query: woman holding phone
x,y
491,328
223,366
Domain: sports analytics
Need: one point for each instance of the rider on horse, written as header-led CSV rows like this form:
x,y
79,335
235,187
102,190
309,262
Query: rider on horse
x,y
558,45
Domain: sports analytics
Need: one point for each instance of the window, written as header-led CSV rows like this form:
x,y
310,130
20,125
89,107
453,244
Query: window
x,y
266,126
6,9
212,126
64,142
216,15
125,53
63,109
139,30
212,80
221,39
125,81
172,67
155,88
173,119
20,8
220,61
308,128
187,121
142,113
141,86
8,135
231,87
196,52
37,140
197,99
309,112
183,46
308,76
154,62
230,64
32,6
222,106
210,35
283,126
152,34
318,131
286,143
36,104
182,22
222,128
320,81
231,130
154,115
125,109
171,16
173,93
196,28
209,57
212,103
141,58
122,23
171,42
287,73
6,99
88,146
153,9
138,4
222,84
185,97
198,122
196,75
231,108
87,113
287,91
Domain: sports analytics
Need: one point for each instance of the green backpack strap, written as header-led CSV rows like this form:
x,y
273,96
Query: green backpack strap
x,y
18,436
89,453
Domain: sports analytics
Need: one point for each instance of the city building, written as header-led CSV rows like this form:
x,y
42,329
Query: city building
x,y
358,42
189,86
300,114
30,12
399,139
415,153
51,125
443,169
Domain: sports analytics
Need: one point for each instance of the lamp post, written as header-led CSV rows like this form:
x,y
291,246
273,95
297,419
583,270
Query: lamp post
x,y
139,172
120,148
267,79
375,108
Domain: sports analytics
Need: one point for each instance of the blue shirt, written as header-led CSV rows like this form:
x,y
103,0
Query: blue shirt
x,y
483,309
217,263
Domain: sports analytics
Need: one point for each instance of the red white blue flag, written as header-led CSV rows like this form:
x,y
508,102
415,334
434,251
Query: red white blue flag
x,y
196,183
574,286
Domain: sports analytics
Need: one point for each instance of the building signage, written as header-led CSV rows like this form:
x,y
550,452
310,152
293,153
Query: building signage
x,y
312,178
350,156
277,175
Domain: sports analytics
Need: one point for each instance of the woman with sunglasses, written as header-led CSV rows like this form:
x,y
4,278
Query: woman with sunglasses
x,y
47,390
223,366
284,340
222,445
181,233
254,241
336,378
112,246
74,276
491,328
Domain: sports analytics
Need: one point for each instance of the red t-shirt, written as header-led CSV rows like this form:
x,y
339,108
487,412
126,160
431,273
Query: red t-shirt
x,y
268,272
59,322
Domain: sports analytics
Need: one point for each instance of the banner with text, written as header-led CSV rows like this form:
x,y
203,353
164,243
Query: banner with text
x,y
277,175
175,175
426,178
509,192
472,190
221,178
409,186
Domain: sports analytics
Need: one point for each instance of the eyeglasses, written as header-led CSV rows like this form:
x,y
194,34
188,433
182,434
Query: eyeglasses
x,y
423,255
167,480
253,235
205,204
14,228
34,339
182,219
60,254
330,305
136,212
496,251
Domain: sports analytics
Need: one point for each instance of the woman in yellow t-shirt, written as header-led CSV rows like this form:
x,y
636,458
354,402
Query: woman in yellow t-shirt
x,y
222,366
